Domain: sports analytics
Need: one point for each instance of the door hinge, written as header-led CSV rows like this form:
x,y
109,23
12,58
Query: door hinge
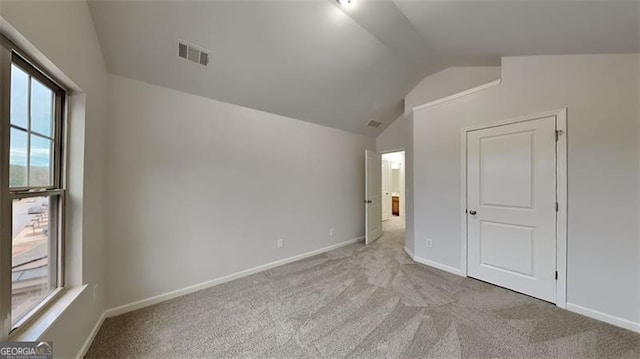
x,y
557,207
556,275
558,133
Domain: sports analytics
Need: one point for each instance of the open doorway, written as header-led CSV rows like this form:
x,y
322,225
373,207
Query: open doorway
x,y
384,195
393,183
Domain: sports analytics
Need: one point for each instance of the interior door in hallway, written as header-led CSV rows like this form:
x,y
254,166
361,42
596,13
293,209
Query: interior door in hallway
x,y
511,206
386,189
373,196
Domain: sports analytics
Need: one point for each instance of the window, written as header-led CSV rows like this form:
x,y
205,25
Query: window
x,y
31,186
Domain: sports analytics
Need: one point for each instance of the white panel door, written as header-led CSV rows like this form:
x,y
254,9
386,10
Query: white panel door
x,y
511,189
373,196
386,189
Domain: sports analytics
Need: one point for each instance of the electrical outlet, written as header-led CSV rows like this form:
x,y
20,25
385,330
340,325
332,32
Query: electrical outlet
x,y
280,243
332,231
429,242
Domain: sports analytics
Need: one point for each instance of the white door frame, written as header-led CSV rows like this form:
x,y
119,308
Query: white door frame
x,y
561,194
403,199
386,195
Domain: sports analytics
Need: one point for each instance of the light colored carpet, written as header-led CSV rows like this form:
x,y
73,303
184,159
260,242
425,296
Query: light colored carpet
x,y
359,302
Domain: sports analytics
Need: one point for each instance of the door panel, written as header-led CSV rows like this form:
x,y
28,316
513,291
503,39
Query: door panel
x,y
373,197
506,170
500,238
511,187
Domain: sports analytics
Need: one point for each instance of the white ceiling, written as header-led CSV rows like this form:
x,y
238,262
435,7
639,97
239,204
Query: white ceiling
x,y
319,62
476,32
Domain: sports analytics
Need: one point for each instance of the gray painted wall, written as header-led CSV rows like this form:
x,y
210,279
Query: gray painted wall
x,y
601,94
199,189
399,134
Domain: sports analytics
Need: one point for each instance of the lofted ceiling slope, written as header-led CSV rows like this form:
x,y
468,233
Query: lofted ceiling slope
x,y
341,67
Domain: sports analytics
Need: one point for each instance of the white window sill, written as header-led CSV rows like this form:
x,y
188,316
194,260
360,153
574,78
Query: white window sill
x,y
34,330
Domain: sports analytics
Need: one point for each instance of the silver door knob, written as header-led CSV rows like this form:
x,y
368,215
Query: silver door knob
x,y
473,213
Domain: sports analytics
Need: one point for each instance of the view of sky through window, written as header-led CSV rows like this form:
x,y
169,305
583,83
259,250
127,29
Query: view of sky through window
x,y
19,97
32,130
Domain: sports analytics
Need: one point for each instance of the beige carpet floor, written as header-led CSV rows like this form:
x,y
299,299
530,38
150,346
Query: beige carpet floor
x,y
359,302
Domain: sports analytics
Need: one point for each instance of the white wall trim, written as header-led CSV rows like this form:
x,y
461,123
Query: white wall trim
x,y
561,216
92,335
607,318
561,194
535,116
37,328
459,94
433,264
112,312
409,253
591,313
464,219
437,265
401,149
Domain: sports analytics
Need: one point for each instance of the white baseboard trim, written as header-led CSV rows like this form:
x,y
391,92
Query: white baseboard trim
x,y
603,317
433,264
440,266
92,335
112,312
607,318
409,253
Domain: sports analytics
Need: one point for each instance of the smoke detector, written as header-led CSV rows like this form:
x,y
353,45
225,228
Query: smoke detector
x,y
374,124
347,3
193,53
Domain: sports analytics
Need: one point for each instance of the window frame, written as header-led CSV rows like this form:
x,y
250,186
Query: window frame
x,y
56,128
56,191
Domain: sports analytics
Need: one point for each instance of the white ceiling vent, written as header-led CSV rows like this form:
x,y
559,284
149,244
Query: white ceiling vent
x,y
193,53
374,124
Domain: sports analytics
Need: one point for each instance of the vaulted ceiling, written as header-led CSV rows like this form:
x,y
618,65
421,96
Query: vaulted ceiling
x,y
320,62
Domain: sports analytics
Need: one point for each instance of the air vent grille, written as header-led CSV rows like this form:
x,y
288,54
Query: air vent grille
x,y
193,53
374,124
